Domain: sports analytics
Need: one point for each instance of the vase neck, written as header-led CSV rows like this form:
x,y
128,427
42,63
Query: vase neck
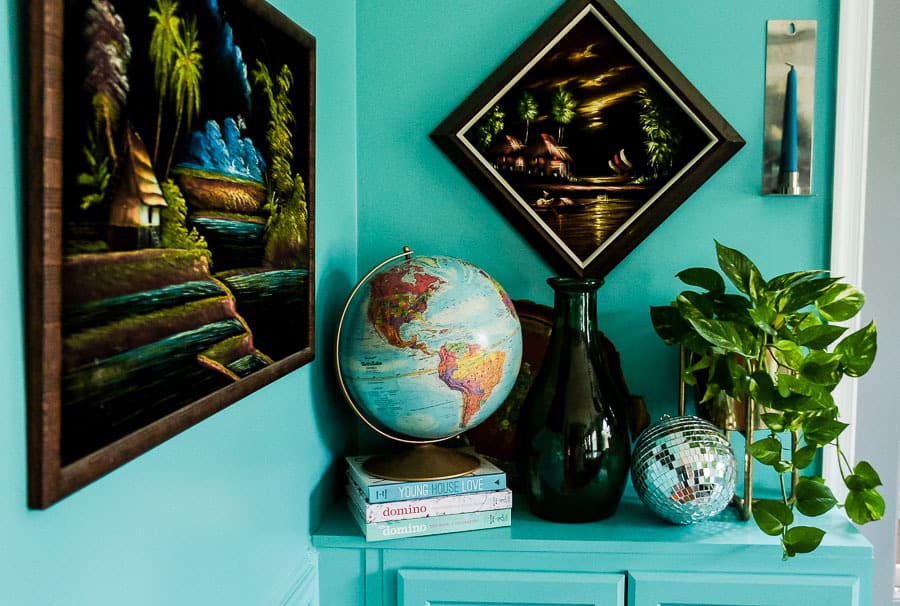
x,y
575,302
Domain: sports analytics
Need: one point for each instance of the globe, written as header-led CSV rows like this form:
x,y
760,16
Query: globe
x,y
427,347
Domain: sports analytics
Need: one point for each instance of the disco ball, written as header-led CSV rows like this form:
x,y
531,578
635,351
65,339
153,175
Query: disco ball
x,y
684,469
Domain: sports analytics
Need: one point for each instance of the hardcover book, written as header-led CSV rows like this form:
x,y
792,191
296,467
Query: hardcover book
x,y
426,508
419,527
377,490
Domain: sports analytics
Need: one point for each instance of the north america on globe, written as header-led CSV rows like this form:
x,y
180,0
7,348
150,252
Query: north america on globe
x,y
396,301
430,348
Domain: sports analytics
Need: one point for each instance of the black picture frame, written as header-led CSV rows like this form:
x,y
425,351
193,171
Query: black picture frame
x,y
639,137
170,265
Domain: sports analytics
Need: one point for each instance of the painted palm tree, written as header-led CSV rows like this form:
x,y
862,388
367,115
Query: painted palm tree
x,y
166,37
107,58
278,135
528,111
488,127
662,141
562,108
186,75
287,229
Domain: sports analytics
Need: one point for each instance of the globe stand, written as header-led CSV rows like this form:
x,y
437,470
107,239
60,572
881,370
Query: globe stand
x,y
420,463
425,460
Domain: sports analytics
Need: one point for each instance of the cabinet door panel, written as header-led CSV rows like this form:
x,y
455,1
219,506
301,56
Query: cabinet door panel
x,y
716,589
442,587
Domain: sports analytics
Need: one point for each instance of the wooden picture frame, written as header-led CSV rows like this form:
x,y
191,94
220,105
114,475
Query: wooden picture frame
x,y
170,222
587,137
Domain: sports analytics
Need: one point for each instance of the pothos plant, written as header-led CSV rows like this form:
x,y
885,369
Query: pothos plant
x,y
775,345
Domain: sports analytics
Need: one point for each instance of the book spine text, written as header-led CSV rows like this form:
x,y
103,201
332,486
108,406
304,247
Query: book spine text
x,y
436,506
405,491
383,531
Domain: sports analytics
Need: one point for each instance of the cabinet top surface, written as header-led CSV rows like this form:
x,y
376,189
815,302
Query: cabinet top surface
x,y
633,529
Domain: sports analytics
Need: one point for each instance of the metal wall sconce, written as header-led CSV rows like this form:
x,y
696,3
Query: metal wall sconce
x,y
789,105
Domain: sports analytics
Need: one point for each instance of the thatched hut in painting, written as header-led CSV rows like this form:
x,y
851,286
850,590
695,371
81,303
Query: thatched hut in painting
x,y
546,157
134,220
507,153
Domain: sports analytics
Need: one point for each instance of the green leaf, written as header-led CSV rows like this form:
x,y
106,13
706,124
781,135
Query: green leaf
x,y
782,466
703,277
864,506
857,351
764,318
762,388
689,378
787,385
694,343
804,456
725,335
772,516
802,404
822,430
686,305
731,307
821,336
766,451
724,372
813,498
802,539
822,368
700,363
740,270
668,323
692,303
806,320
773,421
789,279
787,353
711,392
815,397
804,294
864,476
841,302
791,384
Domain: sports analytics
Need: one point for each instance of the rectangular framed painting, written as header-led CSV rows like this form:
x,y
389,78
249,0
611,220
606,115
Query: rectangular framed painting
x,y
587,137
170,222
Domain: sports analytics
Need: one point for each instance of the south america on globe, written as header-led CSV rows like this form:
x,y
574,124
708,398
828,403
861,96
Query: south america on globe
x,y
428,347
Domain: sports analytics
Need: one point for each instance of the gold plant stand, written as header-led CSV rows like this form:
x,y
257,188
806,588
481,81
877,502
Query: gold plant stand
x,y
742,418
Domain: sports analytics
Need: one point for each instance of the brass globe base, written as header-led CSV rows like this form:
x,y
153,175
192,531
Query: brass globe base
x,y
421,462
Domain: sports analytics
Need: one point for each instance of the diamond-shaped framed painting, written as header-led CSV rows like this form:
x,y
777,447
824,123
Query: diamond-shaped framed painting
x,y
587,137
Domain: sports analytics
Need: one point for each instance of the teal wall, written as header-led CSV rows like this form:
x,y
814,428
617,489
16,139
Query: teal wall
x,y
419,60
221,514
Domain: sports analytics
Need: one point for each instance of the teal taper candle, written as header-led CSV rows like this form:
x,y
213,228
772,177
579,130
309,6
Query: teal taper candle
x,y
790,172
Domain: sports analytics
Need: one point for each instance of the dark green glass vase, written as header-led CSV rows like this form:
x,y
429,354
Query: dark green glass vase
x,y
573,445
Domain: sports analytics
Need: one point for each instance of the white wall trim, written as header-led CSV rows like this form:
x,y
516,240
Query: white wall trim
x,y
849,195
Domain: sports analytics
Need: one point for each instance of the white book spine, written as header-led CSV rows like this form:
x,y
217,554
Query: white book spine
x,y
426,508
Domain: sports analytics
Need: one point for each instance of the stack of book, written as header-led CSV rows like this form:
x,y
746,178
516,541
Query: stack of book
x,y
389,509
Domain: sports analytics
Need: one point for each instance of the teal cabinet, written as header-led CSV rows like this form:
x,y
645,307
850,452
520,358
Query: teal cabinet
x,y
701,589
416,587
632,558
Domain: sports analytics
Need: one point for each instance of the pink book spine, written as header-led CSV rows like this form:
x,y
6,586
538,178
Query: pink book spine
x,y
426,508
